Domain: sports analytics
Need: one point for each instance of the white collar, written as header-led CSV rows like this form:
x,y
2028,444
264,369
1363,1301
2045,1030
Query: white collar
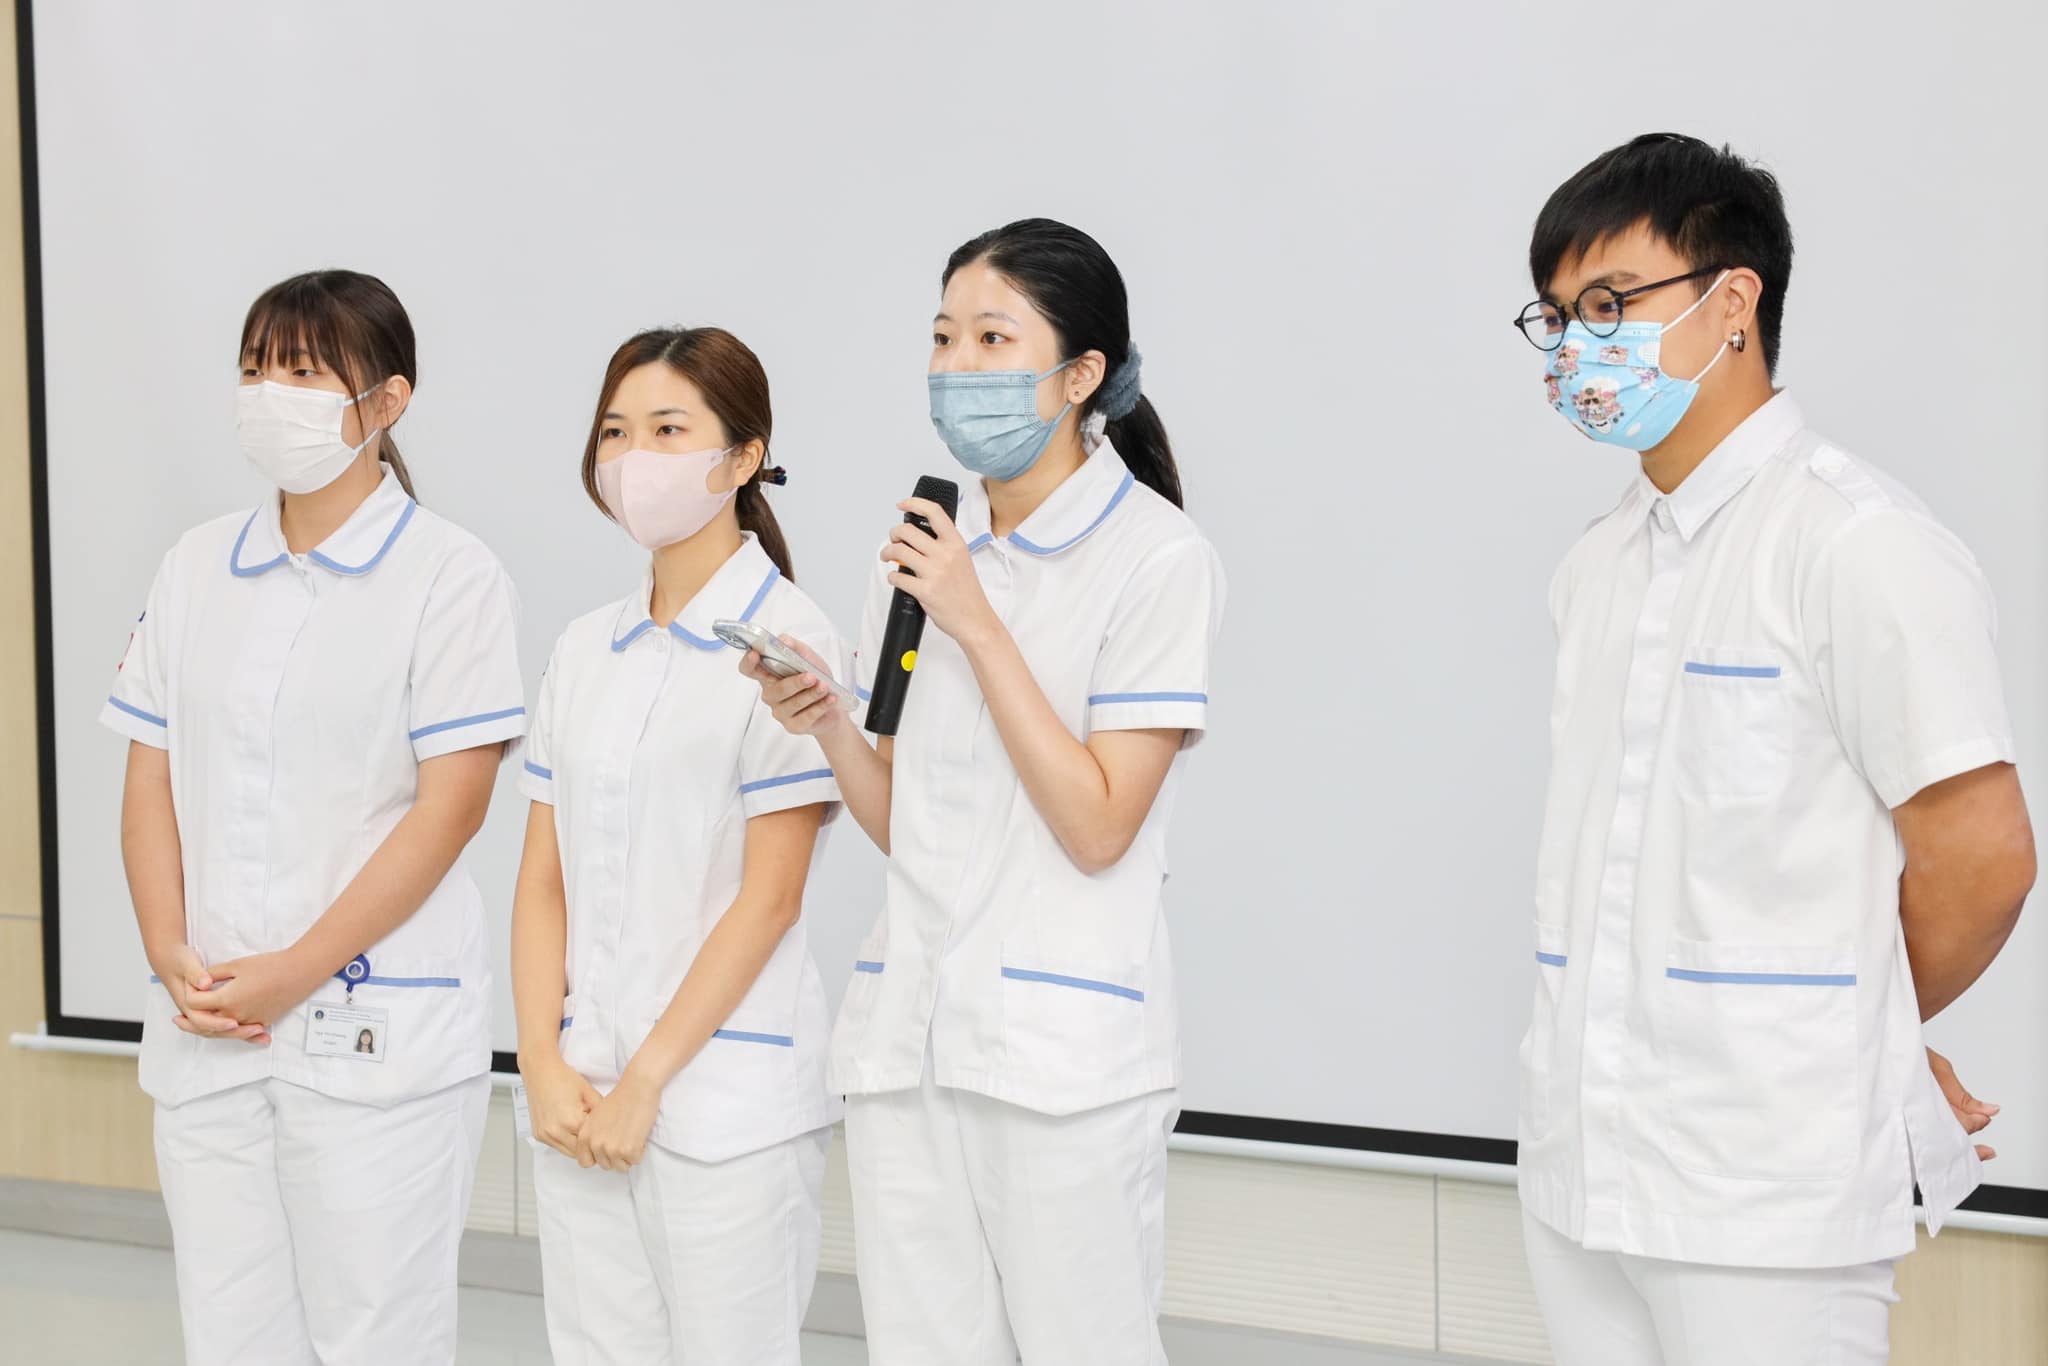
x,y
1070,513
1727,469
356,547
736,591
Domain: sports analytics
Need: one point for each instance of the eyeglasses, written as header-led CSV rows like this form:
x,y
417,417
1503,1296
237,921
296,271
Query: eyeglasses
x,y
1597,307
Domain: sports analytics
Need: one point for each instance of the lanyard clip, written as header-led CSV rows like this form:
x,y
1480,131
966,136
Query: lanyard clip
x,y
356,969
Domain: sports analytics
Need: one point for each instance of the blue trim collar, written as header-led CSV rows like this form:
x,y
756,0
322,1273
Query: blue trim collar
x,y
1070,514
357,546
742,571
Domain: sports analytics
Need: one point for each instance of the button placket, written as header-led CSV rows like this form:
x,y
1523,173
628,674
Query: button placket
x,y
282,608
1602,1082
647,663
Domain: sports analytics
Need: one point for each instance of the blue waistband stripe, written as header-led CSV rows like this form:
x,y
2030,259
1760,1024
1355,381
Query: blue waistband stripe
x,y
389,982
1765,979
1079,983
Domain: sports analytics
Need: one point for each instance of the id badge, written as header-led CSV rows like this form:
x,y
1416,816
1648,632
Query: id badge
x,y
335,1029
522,1119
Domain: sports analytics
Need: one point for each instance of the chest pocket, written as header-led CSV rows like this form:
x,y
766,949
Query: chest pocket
x,y
1734,740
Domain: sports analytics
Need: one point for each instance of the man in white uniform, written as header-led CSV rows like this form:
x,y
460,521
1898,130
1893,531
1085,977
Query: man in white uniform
x,y
1783,824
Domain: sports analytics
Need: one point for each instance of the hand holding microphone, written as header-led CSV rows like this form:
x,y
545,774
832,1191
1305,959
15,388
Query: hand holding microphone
x,y
933,577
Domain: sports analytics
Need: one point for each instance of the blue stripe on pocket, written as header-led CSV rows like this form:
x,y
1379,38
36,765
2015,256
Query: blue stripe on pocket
x,y
1079,983
742,1036
1552,960
1765,979
1694,666
546,775
412,981
866,965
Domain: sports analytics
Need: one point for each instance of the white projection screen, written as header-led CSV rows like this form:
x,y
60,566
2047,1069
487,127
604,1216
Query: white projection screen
x,y
1322,210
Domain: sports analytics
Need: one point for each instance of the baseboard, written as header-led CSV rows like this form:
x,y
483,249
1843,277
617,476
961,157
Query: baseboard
x,y
100,1213
500,1261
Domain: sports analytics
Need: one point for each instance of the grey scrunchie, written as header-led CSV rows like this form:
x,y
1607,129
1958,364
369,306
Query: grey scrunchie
x,y
1119,393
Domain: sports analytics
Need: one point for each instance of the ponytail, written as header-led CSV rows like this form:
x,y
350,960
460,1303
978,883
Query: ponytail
x,y
391,457
1140,438
750,505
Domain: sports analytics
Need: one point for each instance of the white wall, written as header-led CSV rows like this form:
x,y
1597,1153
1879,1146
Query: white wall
x,y
1322,210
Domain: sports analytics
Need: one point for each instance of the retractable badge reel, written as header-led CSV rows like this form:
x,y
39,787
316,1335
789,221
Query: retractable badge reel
x,y
354,971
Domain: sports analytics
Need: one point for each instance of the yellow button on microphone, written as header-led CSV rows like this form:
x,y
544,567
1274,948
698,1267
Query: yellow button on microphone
x,y
909,660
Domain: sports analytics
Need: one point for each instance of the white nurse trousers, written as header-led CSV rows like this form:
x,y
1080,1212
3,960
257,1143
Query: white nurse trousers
x,y
1612,1309
981,1228
310,1231
676,1262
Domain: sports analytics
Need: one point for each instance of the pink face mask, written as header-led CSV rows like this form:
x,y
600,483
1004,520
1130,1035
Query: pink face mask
x,y
661,499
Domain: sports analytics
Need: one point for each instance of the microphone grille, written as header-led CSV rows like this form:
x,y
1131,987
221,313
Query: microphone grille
x,y
944,492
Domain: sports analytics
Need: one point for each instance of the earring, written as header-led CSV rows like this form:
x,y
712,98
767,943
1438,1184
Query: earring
x,y
1738,341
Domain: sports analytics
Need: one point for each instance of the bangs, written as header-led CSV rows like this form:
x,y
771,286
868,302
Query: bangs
x,y
298,322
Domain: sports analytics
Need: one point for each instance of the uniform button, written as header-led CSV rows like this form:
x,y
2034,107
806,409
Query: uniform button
x,y
1830,463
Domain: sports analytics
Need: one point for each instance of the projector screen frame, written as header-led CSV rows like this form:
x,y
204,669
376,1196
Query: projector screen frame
x,y
2022,1202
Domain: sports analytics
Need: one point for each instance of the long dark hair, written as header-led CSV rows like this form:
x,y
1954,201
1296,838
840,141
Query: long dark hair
x,y
349,322
730,377
1070,279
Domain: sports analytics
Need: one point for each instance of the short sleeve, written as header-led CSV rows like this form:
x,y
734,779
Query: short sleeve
x,y
139,705
466,688
778,770
1153,670
537,756
1901,635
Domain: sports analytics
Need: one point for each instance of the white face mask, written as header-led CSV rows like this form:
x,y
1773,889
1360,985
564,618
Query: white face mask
x,y
293,435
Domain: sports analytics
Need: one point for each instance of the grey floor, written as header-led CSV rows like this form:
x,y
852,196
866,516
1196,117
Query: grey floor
x,y
69,1302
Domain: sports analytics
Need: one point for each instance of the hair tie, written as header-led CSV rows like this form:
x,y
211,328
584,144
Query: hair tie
x,y
1092,428
1119,393
774,474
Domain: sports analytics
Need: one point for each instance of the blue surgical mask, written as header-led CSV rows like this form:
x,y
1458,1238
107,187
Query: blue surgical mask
x,y
1614,388
989,418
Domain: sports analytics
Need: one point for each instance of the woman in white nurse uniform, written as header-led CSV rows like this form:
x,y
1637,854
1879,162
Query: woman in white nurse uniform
x,y
672,1025
1008,1042
317,699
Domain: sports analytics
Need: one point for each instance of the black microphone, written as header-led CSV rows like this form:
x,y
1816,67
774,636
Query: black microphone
x,y
906,622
